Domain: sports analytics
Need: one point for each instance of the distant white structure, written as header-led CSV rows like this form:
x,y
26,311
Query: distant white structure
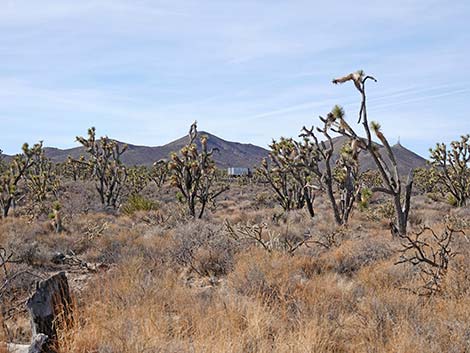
x,y
238,171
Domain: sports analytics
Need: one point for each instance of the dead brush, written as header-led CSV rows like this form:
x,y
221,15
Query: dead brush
x,y
431,253
456,222
328,240
261,235
95,230
3,336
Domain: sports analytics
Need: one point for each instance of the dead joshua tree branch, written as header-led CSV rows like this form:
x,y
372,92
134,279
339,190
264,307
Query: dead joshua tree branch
x,y
431,252
390,176
38,345
6,257
50,308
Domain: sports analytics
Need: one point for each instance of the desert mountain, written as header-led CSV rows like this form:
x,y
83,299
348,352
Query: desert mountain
x,y
406,159
231,154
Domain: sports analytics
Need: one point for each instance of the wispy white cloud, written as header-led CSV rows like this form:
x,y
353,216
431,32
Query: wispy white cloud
x,y
144,69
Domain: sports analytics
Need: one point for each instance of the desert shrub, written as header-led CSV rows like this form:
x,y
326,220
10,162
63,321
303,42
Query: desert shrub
x,y
383,212
22,237
78,197
263,199
457,282
415,218
137,203
211,262
271,277
431,252
353,255
365,197
457,221
203,247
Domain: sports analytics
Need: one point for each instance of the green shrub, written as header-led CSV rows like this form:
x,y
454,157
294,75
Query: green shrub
x,y
366,194
137,203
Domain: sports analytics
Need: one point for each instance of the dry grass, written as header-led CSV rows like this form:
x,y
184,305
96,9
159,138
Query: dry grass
x,y
176,285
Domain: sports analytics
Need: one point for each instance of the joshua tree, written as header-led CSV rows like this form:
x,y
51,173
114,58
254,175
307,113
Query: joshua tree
x,y
193,173
288,178
108,170
11,174
452,169
159,173
316,156
392,184
77,169
137,179
426,180
41,179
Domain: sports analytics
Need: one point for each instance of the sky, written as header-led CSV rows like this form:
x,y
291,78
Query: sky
x,y
247,71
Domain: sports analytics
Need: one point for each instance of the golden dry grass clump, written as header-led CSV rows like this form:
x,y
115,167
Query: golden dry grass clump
x,y
172,284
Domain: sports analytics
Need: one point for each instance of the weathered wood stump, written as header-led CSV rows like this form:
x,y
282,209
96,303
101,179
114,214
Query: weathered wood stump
x,y
36,346
50,308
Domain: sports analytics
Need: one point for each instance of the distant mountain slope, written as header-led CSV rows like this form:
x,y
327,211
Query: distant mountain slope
x,y
405,158
232,154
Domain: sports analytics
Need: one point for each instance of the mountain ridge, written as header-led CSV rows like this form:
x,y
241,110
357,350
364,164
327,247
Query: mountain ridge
x,y
229,153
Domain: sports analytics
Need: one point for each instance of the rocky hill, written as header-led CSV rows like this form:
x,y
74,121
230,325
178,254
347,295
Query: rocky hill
x,y
230,154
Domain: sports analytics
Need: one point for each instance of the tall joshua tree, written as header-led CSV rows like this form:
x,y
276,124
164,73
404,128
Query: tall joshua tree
x,y
193,173
287,177
41,178
392,184
108,170
316,156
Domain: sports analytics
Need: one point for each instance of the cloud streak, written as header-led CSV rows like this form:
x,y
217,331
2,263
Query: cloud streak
x,y
142,70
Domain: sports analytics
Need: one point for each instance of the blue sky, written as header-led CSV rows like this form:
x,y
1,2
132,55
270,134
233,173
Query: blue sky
x,y
248,71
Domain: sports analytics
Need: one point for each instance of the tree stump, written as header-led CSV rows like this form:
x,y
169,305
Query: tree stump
x,y
37,345
50,308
